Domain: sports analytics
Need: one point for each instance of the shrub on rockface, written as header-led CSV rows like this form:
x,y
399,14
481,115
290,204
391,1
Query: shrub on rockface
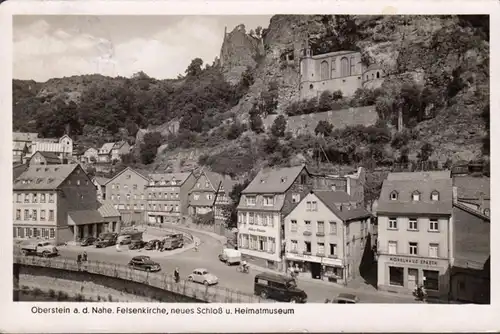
x,y
279,126
232,161
149,148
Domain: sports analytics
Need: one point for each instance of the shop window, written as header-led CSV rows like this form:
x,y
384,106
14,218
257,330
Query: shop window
x,y
431,280
396,276
52,234
413,225
413,248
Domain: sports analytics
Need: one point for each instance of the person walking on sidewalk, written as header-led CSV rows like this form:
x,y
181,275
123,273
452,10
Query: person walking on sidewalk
x,y
84,256
176,275
196,244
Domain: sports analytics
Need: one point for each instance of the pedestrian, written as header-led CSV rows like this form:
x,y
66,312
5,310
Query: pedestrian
x,y
84,257
176,275
196,246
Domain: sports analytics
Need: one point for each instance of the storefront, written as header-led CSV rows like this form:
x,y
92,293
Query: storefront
x,y
318,267
402,274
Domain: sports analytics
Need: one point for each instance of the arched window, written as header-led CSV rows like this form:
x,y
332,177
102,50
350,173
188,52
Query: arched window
x,y
434,196
393,196
344,67
353,66
333,67
378,75
324,70
415,196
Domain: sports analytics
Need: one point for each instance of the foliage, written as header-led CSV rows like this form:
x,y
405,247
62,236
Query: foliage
x,y
486,140
194,68
341,34
269,99
232,161
149,149
235,130
425,152
279,126
324,128
256,124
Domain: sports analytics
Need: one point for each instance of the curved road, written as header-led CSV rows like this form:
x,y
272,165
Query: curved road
x,y
229,277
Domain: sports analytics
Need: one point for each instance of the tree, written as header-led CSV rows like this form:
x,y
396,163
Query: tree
x,y
256,124
194,69
279,126
425,152
149,149
324,128
270,145
325,100
258,31
247,78
234,131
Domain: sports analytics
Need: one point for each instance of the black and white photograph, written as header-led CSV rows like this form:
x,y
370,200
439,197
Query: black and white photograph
x,y
261,160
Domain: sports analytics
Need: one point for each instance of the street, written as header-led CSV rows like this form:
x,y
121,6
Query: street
x,y
229,277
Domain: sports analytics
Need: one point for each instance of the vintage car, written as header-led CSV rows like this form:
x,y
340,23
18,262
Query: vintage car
x,y
136,244
201,275
88,241
144,263
345,298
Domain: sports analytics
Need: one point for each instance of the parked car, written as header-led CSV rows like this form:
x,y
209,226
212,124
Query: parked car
x,y
345,298
173,241
124,239
88,241
151,244
43,248
278,287
201,275
106,239
144,263
136,244
230,256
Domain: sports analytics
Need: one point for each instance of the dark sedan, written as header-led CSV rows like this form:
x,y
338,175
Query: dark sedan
x,y
144,263
88,241
136,244
152,244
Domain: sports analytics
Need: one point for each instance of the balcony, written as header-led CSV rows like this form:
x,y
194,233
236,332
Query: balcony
x,y
307,233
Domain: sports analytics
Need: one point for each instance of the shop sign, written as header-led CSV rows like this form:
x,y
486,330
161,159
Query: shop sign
x,y
252,229
425,262
317,259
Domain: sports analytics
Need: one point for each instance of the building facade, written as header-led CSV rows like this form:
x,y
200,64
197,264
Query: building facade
x,y
326,234
336,71
104,154
222,202
204,192
62,147
119,148
126,191
45,158
90,156
57,203
264,203
21,145
100,185
167,196
415,233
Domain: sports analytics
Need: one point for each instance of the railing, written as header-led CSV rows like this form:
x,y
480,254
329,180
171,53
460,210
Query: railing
x,y
210,294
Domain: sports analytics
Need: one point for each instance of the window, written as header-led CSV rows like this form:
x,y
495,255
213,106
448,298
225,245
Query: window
x,y
347,229
34,215
117,197
321,227
77,182
51,215
18,214
209,197
307,223
415,196
392,247
435,196
295,198
36,232
128,197
29,232
344,67
42,215
134,187
324,70
393,196
333,227
250,200
26,198
293,225
127,176
268,201
294,246
135,206
253,242
393,224
125,187
117,187
112,197
353,66
251,218
20,232
271,245
51,198
142,207
434,225
413,225
333,249
35,198
307,247
431,280
303,179
196,197
348,248
176,208
19,198
396,276
52,233
321,248
45,233
42,198
312,206
433,250
413,248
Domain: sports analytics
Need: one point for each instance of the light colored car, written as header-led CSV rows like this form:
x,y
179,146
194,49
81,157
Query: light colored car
x,y
201,275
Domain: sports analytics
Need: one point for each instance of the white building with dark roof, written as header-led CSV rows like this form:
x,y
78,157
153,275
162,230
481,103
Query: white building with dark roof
x,y
62,147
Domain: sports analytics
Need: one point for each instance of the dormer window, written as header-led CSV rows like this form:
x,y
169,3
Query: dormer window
x,y
250,200
415,196
435,196
394,196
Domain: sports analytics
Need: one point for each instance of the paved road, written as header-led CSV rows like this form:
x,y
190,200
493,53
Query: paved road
x,y
229,277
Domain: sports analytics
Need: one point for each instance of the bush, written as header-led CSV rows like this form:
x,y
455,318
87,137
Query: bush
x,y
279,126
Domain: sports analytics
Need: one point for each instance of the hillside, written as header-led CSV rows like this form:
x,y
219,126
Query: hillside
x,y
223,115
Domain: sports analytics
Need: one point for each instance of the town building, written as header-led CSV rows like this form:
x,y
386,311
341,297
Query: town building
x,y
269,197
222,204
62,147
45,158
104,155
326,234
415,231
58,203
100,185
167,196
351,183
126,191
470,272
112,152
21,145
203,195
336,71
90,156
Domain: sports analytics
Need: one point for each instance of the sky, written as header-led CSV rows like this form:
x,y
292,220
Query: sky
x,y
55,46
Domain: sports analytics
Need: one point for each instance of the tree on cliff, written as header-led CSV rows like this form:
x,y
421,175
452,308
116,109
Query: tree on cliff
x,y
152,141
324,128
279,126
256,124
269,98
425,152
194,69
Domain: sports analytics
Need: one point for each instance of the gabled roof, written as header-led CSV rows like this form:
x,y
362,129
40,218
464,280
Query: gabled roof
x,y
217,180
273,180
90,148
18,170
180,178
24,136
106,148
51,157
404,188
471,211
119,144
129,169
81,217
333,198
470,187
108,210
44,177
100,180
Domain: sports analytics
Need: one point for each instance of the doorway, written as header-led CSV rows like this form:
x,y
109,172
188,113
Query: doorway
x,y
315,270
412,278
